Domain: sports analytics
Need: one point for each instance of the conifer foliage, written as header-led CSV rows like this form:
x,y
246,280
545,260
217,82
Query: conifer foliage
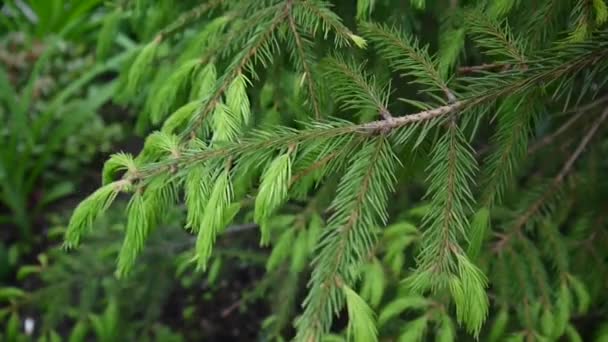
x,y
259,106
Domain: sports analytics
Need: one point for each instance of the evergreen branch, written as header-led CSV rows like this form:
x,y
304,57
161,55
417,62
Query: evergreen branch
x,y
359,205
405,55
515,118
317,13
481,92
553,187
450,175
241,31
255,45
286,136
315,166
307,68
188,17
355,88
579,112
581,147
496,38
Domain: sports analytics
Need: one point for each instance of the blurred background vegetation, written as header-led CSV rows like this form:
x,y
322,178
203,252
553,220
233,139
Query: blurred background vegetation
x,y
59,67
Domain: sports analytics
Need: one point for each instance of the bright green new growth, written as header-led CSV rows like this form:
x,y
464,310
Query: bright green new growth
x,y
118,162
479,229
197,191
88,210
180,117
178,81
137,229
361,325
213,217
144,212
108,32
273,192
141,66
400,305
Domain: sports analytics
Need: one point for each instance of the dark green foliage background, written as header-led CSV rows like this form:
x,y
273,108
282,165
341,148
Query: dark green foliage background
x,y
369,170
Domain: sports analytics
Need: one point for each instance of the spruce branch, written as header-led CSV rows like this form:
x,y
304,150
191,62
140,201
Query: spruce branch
x,y
406,56
286,136
306,67
359,205
496,37
187,18
316,13
254,46
355,88
537,205
578,113
515,117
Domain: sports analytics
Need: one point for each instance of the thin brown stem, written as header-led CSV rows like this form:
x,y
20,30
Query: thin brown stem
x,y
579,112
465,70
554,186
306,68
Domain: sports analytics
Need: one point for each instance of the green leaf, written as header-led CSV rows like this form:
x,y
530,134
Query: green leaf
x,y
226,124
418,4
107,33
10,293
315,227
547,322
446,331
137,230
406,56
601,11
79,332
281,249
181,116
365,8
500,8
563,308
574,336
361,323
414,331
162,102
479,228
396,307
214,271
374,282
470,296
582,294
499,326
204,82
12,327
141,67
299,252
451,44
237,99
27,270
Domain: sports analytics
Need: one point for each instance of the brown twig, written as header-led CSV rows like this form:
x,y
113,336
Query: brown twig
x,y
557,181
306,68
465,70
548,139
